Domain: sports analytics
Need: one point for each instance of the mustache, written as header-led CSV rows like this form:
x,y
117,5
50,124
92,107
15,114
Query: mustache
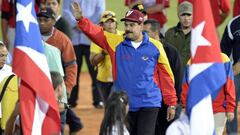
x,y
126,32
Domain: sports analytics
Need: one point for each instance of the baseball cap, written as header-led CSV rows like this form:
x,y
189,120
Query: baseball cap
x,y
140,8
1,42
185,7
46,12
134,16
108,15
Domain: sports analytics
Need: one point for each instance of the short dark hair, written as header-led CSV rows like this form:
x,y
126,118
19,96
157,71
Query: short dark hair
x,y
58,1
155,26
57,79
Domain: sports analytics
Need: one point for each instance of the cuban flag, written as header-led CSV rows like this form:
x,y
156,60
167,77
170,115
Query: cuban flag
x,y
206,71
38,107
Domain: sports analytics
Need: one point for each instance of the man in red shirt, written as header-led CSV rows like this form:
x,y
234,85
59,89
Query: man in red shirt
x,y
155,9
220,10
236,8
8,20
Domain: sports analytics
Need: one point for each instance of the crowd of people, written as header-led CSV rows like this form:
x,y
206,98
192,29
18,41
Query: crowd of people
x,y
139,75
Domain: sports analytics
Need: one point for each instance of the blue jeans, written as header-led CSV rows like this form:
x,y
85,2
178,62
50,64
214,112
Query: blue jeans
x,y
232,127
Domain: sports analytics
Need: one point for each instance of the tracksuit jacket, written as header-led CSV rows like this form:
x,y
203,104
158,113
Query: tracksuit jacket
x,y
143,73
222,100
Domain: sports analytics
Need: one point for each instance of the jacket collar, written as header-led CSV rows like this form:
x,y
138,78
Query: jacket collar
x,y
145,40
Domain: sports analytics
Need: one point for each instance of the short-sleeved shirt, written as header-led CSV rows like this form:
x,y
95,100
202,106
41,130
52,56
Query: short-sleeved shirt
x,y
53,56
105,66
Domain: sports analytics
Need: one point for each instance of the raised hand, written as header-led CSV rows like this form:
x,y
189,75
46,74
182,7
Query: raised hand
x,y
77,11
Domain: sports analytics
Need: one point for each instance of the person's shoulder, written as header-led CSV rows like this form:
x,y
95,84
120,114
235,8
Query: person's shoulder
x,y
225,58
49,47
171,30
60,35
7,68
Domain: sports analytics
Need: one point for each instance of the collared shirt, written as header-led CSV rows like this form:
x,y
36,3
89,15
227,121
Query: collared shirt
x,y
5,71
91,9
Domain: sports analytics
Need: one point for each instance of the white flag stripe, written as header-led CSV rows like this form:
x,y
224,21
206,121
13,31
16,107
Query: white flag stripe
x,y
196,69
37,58
202,117
40,111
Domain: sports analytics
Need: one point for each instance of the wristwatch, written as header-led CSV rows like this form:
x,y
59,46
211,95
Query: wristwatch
x,y
172,107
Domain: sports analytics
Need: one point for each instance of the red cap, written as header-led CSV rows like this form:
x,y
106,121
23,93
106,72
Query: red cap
x,y
134,16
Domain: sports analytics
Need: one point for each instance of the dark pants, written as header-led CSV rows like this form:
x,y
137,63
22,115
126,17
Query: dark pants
x,y
63,120
105,89
232,127
143,121
73,121
162,124
82,51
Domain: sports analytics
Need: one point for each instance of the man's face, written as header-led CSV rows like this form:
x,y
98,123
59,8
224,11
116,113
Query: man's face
x,y
109,26
45,24
3,55
133,30
148,30
185,20
53,4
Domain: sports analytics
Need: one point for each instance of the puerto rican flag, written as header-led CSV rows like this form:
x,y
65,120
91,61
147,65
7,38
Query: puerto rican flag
x,y
206,72
38,107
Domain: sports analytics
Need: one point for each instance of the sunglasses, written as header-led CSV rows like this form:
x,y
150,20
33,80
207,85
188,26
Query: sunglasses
x,y
108,15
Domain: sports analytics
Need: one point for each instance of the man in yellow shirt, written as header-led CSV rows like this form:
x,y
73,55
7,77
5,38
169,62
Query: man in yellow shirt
x,y
10,96
101,59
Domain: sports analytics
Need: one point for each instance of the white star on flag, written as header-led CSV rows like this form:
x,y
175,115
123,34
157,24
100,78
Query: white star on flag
x,y
197,39
25,15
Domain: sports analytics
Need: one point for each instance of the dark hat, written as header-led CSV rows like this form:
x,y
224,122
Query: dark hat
x,y
46,12
140,8
134,16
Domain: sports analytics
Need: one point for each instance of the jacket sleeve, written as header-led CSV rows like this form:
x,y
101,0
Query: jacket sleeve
x,y
70,65
166,79
177,69
229,88
185,87
105,40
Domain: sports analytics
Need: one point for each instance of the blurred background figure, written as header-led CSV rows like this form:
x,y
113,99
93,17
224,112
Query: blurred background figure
x,y
155,9
8,21
220,10
93,10
236,8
